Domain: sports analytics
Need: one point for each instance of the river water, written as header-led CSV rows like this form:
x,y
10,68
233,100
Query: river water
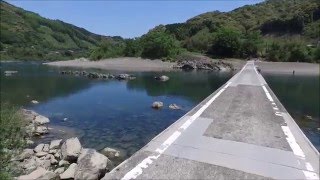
x,y
118,114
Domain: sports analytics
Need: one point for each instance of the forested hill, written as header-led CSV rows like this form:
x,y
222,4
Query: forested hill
x,y
26,35
272,17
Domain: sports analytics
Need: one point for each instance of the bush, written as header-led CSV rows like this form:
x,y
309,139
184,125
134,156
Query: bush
x,y
108,50
11,137
226,43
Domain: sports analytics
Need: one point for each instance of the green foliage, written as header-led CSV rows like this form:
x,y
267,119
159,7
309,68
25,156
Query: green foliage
x,y
108,50
316,55
226,43
11,137
158,44
133,48
199,42
251,44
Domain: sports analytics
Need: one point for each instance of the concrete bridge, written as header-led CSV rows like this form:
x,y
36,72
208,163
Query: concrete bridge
x,y
241,131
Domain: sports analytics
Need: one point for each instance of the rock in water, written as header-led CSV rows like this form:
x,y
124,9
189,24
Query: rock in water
x,y
157,105
91,164
55,144
39,173
70,149
174,106
70,172
162,78
111,153
34,102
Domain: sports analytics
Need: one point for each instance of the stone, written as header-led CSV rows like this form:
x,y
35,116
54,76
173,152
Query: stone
x,y
157,105
39,173
55,144
110,153
70,149
63,162
123,76
40,120
162,78
39,130
46,148
91,164
30,164
26,153
58,154
59,170
34,102
53,160
38,148
174,106
53,151
40,154
70,172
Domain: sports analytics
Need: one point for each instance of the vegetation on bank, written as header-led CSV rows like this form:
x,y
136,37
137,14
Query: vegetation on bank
x,y
11,137
277,30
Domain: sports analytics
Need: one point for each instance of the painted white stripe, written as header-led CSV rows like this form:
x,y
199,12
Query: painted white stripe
x,y
292,142
310,175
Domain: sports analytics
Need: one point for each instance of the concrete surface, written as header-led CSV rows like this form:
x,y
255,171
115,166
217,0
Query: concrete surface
x,y
241,131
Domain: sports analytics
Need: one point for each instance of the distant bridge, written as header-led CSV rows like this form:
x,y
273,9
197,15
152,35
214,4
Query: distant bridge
x,y
241,131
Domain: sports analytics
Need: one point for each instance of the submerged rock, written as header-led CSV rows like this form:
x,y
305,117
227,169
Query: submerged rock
x,y
70,149
34,102
110,153
174,106
157,105
91,164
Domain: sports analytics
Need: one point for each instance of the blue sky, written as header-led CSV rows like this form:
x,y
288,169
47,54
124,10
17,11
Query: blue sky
x,y
126,18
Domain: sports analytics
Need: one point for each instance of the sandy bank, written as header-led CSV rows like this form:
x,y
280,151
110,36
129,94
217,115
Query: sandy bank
x,y
289,67
120,64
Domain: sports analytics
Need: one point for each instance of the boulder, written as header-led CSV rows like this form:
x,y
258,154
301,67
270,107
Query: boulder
x,y
40,154
123,76
157,105
38,148
91,164
58,154
53,151
26,153
40,120
70,172
110,153
39,173
63,162
46,148
59,170
55,144
53,160
70,149
93,75
39,130
174,106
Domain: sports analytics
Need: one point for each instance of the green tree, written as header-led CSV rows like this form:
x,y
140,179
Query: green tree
x,y
250,45
199,42
108,49
133,48
158,44
226,43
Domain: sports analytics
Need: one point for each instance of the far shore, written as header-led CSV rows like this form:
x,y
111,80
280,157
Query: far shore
x,y
120,64
288,68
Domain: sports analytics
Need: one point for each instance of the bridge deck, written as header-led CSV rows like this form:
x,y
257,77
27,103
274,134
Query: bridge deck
x,y
241,131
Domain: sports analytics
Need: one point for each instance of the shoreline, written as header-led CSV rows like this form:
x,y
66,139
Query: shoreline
x,y
299,68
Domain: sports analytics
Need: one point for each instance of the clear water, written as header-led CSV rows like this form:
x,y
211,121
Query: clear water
x,y
106,113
